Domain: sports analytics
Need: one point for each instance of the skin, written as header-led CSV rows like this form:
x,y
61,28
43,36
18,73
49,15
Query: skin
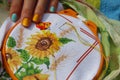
x,y
29,8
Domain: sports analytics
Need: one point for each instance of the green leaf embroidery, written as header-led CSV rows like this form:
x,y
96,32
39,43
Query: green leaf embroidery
x,y
65,40
11,42
30,72
37,70
37,61
18,76
25,66
30,69
24,54
47,62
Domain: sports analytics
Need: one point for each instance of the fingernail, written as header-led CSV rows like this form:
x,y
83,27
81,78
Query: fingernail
x,y
52,9
14,17
25,22
36,18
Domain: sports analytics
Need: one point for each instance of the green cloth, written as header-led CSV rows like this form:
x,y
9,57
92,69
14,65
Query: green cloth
x,y
95,3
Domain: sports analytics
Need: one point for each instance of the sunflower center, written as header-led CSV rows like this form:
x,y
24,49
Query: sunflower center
x,y
8,56
44,43
36,77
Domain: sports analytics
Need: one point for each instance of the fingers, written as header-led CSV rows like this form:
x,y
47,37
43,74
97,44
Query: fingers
x,y
53,5
39,10
15,9
31,10
27,12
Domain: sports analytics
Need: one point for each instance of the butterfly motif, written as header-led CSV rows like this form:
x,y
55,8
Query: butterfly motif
x,y
43,25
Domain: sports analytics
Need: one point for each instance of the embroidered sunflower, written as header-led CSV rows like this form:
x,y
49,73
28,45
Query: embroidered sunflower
x,y
37,77
43,44
13,59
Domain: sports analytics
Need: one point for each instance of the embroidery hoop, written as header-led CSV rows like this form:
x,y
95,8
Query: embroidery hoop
x,y
86,57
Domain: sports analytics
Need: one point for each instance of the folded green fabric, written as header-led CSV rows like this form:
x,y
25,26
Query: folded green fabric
x,y
110,8
95,3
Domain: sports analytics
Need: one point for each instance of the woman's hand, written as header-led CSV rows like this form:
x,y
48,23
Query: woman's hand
x,y
31,10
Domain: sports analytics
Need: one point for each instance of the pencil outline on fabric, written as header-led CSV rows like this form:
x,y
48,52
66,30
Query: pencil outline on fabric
x,y
81,59
86,52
